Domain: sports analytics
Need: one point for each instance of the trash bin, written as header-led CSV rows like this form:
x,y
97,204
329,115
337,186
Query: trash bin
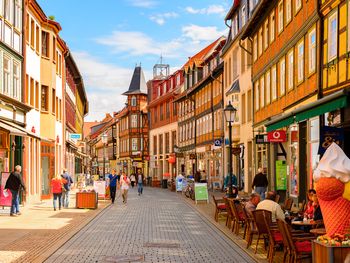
x,y
165,183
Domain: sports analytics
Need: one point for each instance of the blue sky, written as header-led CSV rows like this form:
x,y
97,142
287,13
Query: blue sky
x,y
108,37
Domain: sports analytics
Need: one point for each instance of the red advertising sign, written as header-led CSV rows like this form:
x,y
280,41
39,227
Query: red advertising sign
x,y
277,136
5,196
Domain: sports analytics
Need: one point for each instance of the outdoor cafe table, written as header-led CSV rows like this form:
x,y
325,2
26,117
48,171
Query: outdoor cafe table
x,y
318,231
304,223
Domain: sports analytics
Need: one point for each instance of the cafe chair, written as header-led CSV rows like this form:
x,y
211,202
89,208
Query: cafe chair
x,y
288,203
220,208
297,247
250,227
237,216
277,198
229,218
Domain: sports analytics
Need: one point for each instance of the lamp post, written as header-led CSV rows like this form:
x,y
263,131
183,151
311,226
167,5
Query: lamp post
x,y
230,114
104,141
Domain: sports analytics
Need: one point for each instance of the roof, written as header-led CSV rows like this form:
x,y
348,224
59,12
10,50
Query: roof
x,y
138,83
87,127
232,9
198,58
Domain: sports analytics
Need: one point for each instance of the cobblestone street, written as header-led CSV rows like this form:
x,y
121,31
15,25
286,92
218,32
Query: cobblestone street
x,y
156,227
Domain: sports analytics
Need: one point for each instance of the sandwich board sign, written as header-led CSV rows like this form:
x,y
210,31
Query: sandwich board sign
x,y
201,192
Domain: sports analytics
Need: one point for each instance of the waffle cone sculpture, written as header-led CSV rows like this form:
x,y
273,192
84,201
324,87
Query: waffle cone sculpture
x,y
332,178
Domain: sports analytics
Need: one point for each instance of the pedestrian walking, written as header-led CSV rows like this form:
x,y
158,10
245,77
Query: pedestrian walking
x,y
133,180
68,181
124,182
113,180
139,181
15,183
260,183
57,184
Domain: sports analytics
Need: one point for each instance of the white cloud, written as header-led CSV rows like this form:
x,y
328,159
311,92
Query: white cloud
x,y
212,9
138,43
199,33
143,3
104,84
160,18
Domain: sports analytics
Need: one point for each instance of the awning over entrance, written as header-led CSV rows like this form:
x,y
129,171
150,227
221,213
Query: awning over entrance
x,y
13,130
332,102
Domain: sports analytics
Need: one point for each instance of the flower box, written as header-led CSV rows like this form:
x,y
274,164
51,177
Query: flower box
x,y
322,253
86,200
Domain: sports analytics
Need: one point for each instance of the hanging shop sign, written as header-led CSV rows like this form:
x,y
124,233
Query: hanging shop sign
x,y
217,142
328,135
281,175
277,136
261,139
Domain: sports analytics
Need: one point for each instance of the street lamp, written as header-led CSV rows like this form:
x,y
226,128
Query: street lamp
x,y
104,138
230,115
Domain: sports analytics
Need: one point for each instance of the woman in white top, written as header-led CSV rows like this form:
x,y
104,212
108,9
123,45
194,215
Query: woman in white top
x,y
124,185
133,180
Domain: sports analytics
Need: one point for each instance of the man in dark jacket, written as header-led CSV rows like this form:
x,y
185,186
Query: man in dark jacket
x,y
67,186
260,183
14,183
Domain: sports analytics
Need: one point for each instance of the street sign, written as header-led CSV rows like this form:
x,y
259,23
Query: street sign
x,y
236,150
75,136
217,142
277,136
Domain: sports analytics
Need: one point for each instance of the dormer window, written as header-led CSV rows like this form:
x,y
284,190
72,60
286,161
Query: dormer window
x,y
133,101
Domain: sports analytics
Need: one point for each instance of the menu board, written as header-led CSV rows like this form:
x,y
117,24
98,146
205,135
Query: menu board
x,y
281,175
5,196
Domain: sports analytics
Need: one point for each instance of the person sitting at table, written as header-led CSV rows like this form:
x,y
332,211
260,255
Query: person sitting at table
x,y
270,205
317,209
250,206
309,210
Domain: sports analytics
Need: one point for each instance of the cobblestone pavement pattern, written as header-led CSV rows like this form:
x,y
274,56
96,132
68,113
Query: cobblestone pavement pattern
x,y
156,227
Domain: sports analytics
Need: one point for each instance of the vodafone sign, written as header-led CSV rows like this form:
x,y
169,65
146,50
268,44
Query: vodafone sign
x,y
277,136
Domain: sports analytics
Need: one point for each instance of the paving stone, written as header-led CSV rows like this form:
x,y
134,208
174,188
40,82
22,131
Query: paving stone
x,y
158,226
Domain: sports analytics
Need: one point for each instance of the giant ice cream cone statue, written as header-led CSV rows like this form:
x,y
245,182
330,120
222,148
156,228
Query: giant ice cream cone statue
x,y
332,178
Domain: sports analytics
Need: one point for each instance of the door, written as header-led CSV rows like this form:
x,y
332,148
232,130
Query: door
x,y
45,176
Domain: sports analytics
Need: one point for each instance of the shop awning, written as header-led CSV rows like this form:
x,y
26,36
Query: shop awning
x,y
13,130
332,102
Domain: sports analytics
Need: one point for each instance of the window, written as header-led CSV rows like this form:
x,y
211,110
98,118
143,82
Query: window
x,y
312,51
282,77
6,75
255,48
37,47
288,11
348,26
257,96
44,98
155,144
266,34
167,143
272,26
134,144
274,83
16,81
27,23
297,5
32,32
18,14
54,52
280,16
268,87
133,121
301,61
260,41
45,44
133,101
53,101
7,8
332,36
161,143
243,13
37,95
243,109
32,91
262,92
249,105
290,76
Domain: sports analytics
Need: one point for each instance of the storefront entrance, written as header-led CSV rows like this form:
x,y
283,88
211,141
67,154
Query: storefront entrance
x,y
47,168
